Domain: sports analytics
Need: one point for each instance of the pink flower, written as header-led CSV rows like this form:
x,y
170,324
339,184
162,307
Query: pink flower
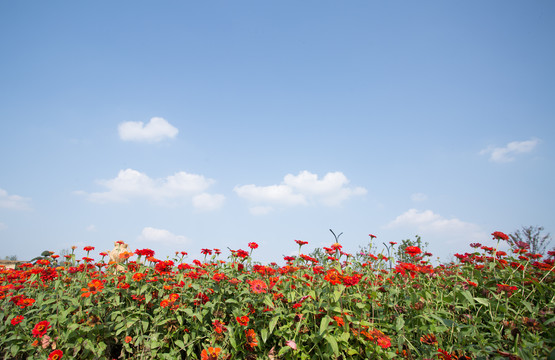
x,y
291,344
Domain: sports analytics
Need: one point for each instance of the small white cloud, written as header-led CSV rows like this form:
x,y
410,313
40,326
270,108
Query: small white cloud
x,y
208,202
91,228
277,194
507,153
131,184
302,189
161,236
419,197
260,210
157,129
14,202
428,222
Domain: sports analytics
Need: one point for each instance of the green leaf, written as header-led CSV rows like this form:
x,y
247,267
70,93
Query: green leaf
x,y
331,340
180,344
468,297
264,335
324,325
482,301
399,323
273,323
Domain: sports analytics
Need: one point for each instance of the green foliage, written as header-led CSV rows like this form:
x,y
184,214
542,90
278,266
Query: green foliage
x,y
481,307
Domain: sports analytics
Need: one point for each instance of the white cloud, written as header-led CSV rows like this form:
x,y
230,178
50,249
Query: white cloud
x,y
157,129
153,235
277,194
428,222
301,189
14,202
418,197
91,228
131,184
506,154
208,202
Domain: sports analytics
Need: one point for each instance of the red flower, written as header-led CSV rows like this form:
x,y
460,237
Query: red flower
x,y
40,329
498,235
242,320
219,326
88,248
372,236
336,246
55,355
16,320
333,277
128,339
253,245
145,252
413,250
206,251
258,286
301,243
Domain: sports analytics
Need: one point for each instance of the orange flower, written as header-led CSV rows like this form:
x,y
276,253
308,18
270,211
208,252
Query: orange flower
x,y
211,354
138,276
219,326
252,342
339,320
128,339
333,277
429,339
164,303
94,287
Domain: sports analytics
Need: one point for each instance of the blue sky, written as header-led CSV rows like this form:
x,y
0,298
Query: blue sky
x,y
182,125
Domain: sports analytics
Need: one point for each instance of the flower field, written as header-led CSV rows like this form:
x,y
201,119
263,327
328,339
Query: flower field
x,y
488,305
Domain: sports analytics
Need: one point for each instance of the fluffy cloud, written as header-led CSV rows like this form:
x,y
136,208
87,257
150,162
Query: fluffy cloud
x,y
428,222
91,228
302,189
131,184
161,236
14,202
506,154
208,202
157,129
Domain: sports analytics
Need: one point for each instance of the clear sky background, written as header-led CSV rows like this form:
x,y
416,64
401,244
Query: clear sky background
x,y
181,125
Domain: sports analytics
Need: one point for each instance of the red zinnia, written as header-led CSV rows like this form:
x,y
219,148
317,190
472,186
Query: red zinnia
x,y
55,355
253,245
258,286
413,250
242,320
16,320
219,326
145,252
498,235
40,329
88,248
301,243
